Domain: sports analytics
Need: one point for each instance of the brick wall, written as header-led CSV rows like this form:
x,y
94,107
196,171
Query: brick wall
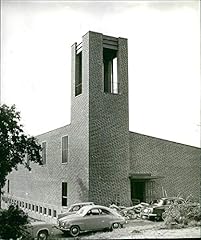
x,y
178,163
108,128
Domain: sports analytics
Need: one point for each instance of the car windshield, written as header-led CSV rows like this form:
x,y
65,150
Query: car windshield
x,y
157,202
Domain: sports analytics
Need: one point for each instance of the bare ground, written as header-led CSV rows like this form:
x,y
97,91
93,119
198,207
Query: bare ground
x,y
144,229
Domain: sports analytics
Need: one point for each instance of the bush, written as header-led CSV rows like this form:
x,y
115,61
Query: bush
x,y
183,214
13,223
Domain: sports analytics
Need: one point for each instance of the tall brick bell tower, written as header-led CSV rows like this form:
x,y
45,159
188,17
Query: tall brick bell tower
x,y
100,117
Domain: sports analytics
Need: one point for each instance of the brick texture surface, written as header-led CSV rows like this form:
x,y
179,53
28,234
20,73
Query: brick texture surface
x,y
108,128
179,164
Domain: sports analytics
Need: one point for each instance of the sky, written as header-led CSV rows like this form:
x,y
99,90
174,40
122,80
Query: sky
x,y
163,51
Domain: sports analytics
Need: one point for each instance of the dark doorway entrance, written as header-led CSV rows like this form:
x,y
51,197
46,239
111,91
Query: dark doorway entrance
x,y
138,190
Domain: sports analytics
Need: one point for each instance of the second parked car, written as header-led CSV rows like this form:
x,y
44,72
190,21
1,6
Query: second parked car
x,y
157,207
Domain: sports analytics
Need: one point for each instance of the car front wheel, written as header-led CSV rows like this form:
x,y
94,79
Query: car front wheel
x,y
158,218
42,235
115,226
74,231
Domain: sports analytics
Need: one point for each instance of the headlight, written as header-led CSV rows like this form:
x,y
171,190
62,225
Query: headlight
x,y
61,224
148,210
66,224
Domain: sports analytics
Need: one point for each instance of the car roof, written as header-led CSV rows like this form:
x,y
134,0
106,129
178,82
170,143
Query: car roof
x,y
36,223
85,209
171,198
82,203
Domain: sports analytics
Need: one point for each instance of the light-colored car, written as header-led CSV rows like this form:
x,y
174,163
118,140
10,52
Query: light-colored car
x,y
39,230
74,208
91,218
157,207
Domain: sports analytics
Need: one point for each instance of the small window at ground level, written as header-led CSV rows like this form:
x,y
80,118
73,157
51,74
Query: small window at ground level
x,y
64,193
49,212
45,210
54,213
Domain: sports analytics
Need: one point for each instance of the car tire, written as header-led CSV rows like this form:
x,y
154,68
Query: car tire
x,y
42,235
74,231
152,218
115,226
158,218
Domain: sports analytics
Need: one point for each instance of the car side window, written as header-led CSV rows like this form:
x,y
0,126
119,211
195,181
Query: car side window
x,y
93,212
75,208
104,212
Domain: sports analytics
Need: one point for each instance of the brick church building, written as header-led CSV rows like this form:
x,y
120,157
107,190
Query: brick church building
x,y
96,158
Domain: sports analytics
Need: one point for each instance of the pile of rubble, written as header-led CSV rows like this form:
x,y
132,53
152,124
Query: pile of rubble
x,y
133,212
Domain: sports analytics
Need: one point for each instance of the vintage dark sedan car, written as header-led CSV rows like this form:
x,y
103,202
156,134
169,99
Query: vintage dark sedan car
x,y
91,218
73,209
38,230
157,207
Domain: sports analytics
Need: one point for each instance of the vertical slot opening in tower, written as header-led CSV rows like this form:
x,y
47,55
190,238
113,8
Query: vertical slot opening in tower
x,y
110,71
78,74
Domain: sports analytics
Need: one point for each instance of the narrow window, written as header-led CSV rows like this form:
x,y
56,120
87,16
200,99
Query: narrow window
x,y
33,207
110,71
54,213
8,189
44,152
45,210
49,212
29,206
65,149
41,209
78,74
64,193
36,208
26,205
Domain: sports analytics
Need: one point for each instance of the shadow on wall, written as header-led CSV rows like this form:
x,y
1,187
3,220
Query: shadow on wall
x,y
83,192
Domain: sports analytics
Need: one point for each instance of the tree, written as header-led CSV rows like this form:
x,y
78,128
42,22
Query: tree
x,y
13,223
15,145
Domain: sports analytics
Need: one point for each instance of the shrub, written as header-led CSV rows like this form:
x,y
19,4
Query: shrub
x,y
12,223
182,214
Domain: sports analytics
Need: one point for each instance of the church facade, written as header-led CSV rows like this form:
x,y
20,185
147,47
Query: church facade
x,y
96,158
